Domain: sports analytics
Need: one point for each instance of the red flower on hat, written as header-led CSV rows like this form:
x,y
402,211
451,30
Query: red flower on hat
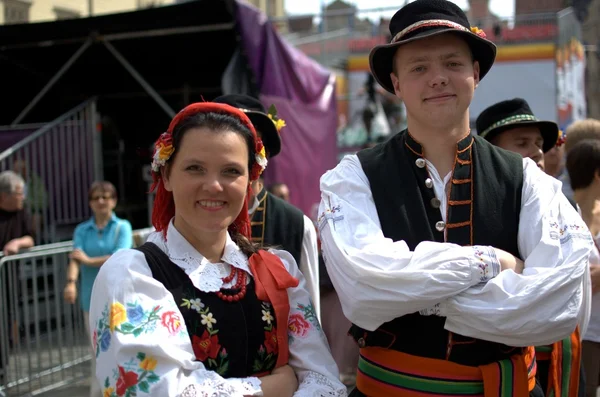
x,y
562,138
478,32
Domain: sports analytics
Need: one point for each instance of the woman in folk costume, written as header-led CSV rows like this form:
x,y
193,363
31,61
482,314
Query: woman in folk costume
x,y
450,256
511,125
198,310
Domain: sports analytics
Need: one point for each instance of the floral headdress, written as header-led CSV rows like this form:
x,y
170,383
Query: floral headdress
x,y
279,122
562,138
478,32
164,206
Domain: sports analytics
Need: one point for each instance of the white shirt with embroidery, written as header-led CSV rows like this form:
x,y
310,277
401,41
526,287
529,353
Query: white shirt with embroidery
x,y
142,343
379,280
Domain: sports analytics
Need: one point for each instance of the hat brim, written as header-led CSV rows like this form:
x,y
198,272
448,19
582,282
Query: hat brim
x,y
548,129
382,56
267,130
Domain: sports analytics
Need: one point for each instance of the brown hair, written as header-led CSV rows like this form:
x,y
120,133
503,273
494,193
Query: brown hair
x,y
102,187
581,130
583,162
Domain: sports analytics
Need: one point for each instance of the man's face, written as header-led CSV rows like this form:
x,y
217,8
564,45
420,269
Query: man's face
x,y
435,78
554,160
527,141
282,191
13,201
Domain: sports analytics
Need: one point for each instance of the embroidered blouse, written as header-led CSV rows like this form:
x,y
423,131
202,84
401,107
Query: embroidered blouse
x,y
378,279
142,343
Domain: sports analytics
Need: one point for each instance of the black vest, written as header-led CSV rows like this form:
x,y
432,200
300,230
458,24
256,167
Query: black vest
x,y
483,209
240,342
278,224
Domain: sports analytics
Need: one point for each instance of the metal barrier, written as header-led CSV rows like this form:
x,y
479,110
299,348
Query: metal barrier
x,y
43,340
59,162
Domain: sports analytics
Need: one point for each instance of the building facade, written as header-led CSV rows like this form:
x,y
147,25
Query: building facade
x,y
539,6
23,11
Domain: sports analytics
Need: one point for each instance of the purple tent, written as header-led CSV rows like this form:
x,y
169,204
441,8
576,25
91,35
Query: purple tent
x,y
304,93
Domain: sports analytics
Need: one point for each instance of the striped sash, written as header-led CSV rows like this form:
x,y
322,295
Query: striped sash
x,y
565,363
386,373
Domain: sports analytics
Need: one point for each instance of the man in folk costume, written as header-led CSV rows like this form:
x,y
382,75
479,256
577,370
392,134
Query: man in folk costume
x,y
511,125
275,222
423,235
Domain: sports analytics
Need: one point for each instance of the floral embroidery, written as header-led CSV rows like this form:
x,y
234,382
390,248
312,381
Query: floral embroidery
x,y
329,212
136,378
208,320
487,262
193,304
265,362
267,316
310,314
267,352
208,350
171,321
136,326
431,311
130,319
135,314
271,341
105,338
207,347
483,266
567,232
266,311
148,364
118,315
297,326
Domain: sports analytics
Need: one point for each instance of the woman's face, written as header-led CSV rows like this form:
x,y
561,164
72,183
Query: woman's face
x,y
102,202
209,180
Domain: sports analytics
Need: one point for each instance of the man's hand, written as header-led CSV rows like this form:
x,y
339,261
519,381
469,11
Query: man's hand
x,y
12,247
509,262
79,256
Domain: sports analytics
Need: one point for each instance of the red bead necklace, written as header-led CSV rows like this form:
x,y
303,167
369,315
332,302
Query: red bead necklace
x,y
239,284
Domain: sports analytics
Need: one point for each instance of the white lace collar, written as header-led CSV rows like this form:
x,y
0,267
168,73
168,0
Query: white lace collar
x,y
205,276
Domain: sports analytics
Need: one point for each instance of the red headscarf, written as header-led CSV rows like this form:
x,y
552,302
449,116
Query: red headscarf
x,y
164,205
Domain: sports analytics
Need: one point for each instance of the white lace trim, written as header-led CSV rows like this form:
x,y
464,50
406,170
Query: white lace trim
x,y
214,386
317,385
205,276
